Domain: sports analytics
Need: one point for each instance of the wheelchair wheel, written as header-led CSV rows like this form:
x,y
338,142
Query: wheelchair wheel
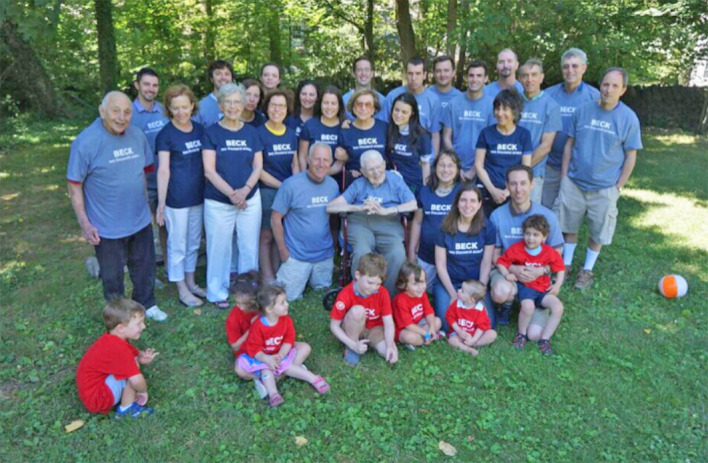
x,y
329,298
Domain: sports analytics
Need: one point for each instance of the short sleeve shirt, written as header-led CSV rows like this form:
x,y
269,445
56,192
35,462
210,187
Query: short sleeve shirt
x,y
391,192
434,208
493,89
445,97
357,141
408,310
517,255
303,203
601,139
234,157
269,338
465,252
209,111
278,151
186,186
315,131
509,228
150,123
503,151
468,319
377,305
429,108
540,115
406,159
111,169
466,118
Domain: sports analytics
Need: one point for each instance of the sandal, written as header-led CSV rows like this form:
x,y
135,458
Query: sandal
x,y
222,305
321,385
275,400
190,300
197,290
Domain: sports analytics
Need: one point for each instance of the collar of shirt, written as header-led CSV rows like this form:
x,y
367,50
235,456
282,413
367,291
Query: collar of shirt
x,y
141,109
540,94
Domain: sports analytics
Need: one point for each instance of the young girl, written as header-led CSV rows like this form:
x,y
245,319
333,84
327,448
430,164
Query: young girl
x,y
416,323
468,320
306,97
270,348
408,146
325,127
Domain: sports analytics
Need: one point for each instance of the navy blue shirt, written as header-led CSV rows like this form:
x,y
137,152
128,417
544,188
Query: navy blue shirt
x,y
258,119
234,157
464,252
296,123
357,141
278,151
406,159
435,208
186,186
315,131
503,151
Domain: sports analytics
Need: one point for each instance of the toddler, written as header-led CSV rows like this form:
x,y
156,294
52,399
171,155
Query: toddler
x,y
415,320
468,320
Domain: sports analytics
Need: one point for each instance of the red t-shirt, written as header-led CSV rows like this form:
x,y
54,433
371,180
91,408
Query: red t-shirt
x,y
516,255
237,323
376,306
409,310
468,319
269,339
109,355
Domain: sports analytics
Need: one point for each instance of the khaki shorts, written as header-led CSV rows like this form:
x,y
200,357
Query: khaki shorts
x,y
540,317
495,276
599,206
295,274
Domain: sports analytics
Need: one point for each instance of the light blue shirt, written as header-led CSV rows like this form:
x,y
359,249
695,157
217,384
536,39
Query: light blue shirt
x,y
391,192
381,115
467,118
493,89
509,225
150,123
540,115
601,139
429,109
446,97
209,111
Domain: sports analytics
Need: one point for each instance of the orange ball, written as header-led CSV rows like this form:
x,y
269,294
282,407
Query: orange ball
x,y
673,286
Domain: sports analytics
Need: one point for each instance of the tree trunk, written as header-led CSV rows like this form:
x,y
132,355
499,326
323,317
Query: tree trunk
x,y
451,21
26,75
274,46
107,55
210,33
404,25
369,30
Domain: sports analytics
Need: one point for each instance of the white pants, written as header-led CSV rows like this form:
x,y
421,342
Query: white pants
x,y
184,233
220,220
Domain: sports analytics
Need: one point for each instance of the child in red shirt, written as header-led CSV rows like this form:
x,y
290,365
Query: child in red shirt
x,y
361,314
468,320
270,348
533,252
416,323
109,372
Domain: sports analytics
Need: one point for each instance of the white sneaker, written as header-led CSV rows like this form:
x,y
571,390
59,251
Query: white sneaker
x,y
260,388
156,314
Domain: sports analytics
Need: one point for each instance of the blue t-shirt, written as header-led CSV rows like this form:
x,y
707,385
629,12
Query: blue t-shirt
x,y
601,139
465,252
540,115
392,192
278,152
509,228
467,118
446,97
434,208
503,151
186,186
429,108
381,115
568,103
494,89
258,119
234,157
209,111
111,169
406,159
295,123
315,131
150,122
357,141
303,202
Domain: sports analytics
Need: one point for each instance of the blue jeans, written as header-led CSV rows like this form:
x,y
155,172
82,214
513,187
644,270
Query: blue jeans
x,y
442,302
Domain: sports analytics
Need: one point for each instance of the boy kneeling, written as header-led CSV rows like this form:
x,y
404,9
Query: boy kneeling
x,y
109,372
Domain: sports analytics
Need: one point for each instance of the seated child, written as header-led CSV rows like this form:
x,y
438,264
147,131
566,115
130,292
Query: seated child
x,y
361,314
270,348
416,323
109,372
468,320
533,252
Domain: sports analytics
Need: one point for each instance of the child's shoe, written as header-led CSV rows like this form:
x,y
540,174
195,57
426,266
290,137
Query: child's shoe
x,y
135,411
275,400
409,346
321,385
519,341
545,346
504,314
260,388
351,357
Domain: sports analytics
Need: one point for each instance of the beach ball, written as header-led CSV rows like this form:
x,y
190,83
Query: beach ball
x,y
673,286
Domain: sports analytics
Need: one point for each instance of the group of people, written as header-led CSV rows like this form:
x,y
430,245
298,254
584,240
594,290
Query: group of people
x,y
476,172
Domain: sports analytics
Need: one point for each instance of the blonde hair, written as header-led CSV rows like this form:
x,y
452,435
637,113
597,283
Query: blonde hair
x,y
121,310
474,289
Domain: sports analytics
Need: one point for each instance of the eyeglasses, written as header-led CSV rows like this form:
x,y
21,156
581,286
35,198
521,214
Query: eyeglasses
x,y
277,106
364,104
229,103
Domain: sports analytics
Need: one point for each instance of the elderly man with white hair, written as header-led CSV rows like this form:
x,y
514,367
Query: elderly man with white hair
x,y
374,201
107,186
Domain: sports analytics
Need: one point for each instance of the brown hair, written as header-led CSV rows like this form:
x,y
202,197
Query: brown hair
x,y
408,269
248,83
245,287
268,294
449,224
537,222
362,92
433,179
179,90
121,310
278,92
475,289
372,265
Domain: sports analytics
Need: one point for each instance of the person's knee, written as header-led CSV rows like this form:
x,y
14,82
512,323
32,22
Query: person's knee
x,y
491,335
357,313
527,307
501,292
533,332
303,349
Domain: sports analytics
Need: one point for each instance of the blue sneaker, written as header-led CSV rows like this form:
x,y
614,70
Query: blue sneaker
x,y
351,357
504,314
135,411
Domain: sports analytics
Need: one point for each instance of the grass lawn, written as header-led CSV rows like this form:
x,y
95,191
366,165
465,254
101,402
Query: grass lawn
x,y
627,383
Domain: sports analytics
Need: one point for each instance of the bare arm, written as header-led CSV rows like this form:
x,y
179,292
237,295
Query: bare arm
x,y
447,138
414,239
425,170
89,232
486,265
303,148
567,155
435,138
269,180
339,204
482,175
295,164
630,160
276,224
163,180
544,148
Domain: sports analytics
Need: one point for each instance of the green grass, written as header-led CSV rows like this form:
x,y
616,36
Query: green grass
x,y
628,382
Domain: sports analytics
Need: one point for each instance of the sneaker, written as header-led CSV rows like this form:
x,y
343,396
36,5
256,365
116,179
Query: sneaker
x,y
442,334
504,314
584,280
545,346
92,267
519,341
351,357
409,346
260,388
156,314
134,411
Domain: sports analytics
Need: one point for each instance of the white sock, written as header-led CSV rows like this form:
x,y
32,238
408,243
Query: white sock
x,y
590,259
123,408
568,250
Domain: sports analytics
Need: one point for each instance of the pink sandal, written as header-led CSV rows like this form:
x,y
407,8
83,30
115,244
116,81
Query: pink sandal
x,y
321,385
275,400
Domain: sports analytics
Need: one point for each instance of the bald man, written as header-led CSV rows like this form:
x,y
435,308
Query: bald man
x,y
107,186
